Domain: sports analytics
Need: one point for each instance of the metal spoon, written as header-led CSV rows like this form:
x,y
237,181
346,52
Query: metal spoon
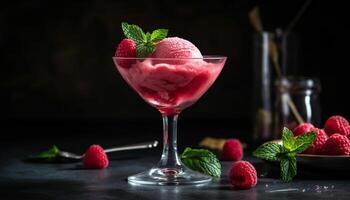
x,y
144,145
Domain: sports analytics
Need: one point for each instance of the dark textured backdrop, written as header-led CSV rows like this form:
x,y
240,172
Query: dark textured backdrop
x,y
56,61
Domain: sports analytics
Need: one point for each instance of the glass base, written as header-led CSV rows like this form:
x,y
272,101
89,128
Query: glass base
x,y
169,176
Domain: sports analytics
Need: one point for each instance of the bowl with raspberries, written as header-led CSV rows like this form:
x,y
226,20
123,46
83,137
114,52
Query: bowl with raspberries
x,y
330,149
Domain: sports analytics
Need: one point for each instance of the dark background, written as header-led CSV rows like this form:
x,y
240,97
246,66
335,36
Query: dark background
x,y
57,75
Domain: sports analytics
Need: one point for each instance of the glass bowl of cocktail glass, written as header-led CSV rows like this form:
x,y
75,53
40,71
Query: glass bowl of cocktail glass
x,y
170,85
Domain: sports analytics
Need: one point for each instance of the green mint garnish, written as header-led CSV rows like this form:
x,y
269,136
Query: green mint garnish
x,y
268,151
201,160
304,141
288,139
286,152
145,42
288,168
158,35
49,155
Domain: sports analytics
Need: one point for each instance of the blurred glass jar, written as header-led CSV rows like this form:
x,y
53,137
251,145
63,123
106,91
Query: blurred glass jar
x,y
302,93
263,88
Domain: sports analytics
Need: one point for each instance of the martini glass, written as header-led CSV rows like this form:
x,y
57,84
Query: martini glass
x,y
170,85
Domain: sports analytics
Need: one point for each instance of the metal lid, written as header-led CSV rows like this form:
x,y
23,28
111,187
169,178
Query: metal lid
x,y
293,83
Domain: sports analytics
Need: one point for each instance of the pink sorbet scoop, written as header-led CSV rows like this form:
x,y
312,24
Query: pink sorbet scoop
x,y
175,47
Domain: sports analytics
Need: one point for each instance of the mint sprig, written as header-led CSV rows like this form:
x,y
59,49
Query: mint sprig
x,y
286,152
202,160
145,42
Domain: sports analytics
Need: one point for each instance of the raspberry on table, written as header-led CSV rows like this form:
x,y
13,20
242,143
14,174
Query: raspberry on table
x,y
302,128
232,151
337,144
243,175
337,124
95,158
317,146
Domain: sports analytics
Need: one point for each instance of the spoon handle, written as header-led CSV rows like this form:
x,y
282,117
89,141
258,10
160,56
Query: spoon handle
x,y
144,145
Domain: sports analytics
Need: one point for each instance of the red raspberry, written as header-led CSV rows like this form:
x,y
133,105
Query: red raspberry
x,y
243,175
95,158
337,144
126,48
302,128
232,150
317,146
337,124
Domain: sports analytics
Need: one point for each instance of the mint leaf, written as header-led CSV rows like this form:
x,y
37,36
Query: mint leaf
x,y
201,160
304,141
148,36
268,151
288,168
288,139
143,51
158,35
49,155
134,33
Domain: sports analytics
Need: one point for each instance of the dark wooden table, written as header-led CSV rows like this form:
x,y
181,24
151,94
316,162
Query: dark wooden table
x,y
69,181
23,180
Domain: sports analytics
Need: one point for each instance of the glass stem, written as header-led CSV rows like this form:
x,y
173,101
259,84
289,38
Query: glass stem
x,y
170,158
